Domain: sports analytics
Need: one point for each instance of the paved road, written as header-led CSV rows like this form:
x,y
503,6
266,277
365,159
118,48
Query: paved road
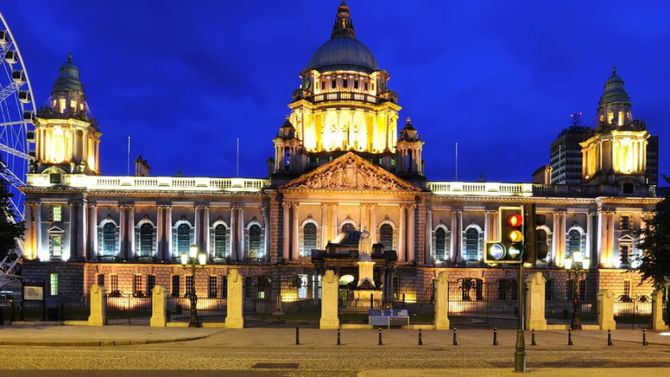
x,y
272,352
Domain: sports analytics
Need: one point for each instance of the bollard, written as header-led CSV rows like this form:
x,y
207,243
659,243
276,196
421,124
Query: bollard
x,y
495,336
297,336
420,339
532,337
609,338
570,336
644,338
339,335
380,337
454,341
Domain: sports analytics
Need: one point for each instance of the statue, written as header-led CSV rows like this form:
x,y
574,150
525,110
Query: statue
x,y
364,246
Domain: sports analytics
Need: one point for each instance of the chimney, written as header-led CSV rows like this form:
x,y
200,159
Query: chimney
x,y
142,168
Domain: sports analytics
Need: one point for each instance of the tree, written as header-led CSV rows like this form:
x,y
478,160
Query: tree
x,y
655,246
10,231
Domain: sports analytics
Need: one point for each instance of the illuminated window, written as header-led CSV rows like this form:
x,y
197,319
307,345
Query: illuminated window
x,y
189,285
442,240
73,105
254,241
183,238
61,105
211,291
57,213
53,284
151,283
574,242
137,283
109,239
114,282
175,286
56,246
626,288
147,240
220,241
625,222
472,244
386,236
309,239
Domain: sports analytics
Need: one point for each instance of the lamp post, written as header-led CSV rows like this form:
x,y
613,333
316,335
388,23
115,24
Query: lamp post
x,y
576,266
193,260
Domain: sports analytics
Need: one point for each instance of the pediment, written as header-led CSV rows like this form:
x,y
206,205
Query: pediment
x,y
350,172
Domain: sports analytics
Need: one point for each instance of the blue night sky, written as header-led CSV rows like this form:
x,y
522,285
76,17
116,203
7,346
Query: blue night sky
x,y
183,79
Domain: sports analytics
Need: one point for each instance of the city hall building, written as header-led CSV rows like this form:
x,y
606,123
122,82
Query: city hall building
x,y
343,161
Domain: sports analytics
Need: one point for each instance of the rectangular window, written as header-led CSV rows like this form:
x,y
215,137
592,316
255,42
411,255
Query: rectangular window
x,y
212,287
623,252
57,213
333,84
365,87
224,287
479,287
625,222
101,280
137,283
355,84
56,245
569,289
345,83
53,284
248,287
582,290
626,288
114,282
189,285
175,286
151,283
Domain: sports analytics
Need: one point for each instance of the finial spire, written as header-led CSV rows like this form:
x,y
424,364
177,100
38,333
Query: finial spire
x,y
69,57
343,26
613,70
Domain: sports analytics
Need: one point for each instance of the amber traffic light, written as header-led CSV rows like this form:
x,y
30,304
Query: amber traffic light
x,y
510,247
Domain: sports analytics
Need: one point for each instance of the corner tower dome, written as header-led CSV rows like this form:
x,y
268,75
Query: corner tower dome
x,y
68,78
343,50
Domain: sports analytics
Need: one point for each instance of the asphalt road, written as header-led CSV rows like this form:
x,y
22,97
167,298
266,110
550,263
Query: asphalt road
x,y
272,352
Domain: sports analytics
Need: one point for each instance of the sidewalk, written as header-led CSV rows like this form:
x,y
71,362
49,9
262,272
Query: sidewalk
x,y
563,372
49,335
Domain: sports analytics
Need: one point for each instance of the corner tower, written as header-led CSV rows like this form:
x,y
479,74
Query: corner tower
x,y
67,138
616,155
343,104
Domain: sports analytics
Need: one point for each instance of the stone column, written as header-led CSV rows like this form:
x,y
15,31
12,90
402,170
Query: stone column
x,y
123,228
442,302
558,239
197,224
534,309
295,247
324,224
29,250
589,235
233,232
168,232
240,233
600,238
98,307
160,233
287,231
401,234
335,224
81,230
657,322
205,229
235,300
71,250
266,232
158,307
606,310
373,224
610,239
429,237
92,232
411,248
489,225
329,301
456,227
131,232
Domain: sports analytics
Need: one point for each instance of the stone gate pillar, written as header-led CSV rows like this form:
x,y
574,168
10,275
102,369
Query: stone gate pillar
x,y
606,310
98,307
158,307
235,301
535,319
657,322
329,288
442,302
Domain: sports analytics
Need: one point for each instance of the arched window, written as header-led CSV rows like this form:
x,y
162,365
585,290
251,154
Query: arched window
x,y
574,242
348,228
254,241
110,240
183,239
471,244
308,239
220,241
386,236
147,240
441,244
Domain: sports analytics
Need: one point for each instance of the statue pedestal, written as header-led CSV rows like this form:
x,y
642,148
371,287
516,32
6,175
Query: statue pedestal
x,y
364,294
365,274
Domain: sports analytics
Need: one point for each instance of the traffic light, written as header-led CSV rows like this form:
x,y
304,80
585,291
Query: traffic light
x,y
510,248
536,241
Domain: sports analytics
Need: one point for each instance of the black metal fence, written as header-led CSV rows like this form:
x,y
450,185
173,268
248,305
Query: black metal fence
x,y
476,304
13,310
209,309
128,310
632,312
561,312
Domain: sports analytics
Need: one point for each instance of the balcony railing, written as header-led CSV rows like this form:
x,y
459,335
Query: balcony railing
x,y
151,183
481,188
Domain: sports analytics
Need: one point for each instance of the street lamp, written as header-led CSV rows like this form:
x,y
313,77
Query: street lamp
x,y
576,267
193,259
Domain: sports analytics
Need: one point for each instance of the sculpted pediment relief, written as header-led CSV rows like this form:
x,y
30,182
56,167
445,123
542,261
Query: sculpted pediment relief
x,y
350,172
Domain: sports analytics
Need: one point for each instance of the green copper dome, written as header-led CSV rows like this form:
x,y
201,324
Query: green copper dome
x,y
68,78
614,91
343,50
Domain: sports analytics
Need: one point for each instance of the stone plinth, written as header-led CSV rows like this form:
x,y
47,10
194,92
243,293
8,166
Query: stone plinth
x,y
235,303
329,289
158,307
606,310
442,301
98,307
535,319
364,294
657,322
366,273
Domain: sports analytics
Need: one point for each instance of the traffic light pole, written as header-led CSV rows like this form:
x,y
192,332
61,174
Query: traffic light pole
x,y
520,351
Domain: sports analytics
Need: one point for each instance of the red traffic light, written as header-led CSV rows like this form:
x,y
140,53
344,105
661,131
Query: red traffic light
x,y
515,220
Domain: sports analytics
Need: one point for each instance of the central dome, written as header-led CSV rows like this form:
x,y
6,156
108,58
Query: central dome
x,y
343,50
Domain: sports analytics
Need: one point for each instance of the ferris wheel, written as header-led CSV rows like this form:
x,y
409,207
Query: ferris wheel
x,y
17,113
